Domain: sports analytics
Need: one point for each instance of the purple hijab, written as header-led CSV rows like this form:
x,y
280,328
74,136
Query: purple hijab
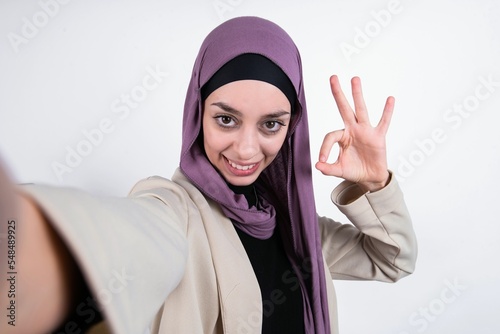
x,y
286,182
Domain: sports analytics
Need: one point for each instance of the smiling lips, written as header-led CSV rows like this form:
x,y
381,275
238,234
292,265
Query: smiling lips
x,y
241,170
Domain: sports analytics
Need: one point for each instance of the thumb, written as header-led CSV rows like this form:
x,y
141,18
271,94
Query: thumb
x,y
333,169
330,139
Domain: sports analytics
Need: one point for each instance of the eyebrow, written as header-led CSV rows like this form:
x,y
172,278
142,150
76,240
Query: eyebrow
x,y
229,109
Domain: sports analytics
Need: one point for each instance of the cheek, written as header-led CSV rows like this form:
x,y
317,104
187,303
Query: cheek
x,y
210,143
214,142
272,147
208,140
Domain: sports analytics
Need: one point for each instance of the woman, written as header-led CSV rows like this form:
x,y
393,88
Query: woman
x,y
232,244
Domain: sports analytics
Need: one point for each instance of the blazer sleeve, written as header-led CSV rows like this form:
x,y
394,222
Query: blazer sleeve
x,y
380,244
131,251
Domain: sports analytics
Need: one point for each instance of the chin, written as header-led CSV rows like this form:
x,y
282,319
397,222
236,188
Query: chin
x,y
240,181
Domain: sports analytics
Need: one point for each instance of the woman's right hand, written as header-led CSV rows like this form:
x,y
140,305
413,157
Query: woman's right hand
x,y
8,212
38,274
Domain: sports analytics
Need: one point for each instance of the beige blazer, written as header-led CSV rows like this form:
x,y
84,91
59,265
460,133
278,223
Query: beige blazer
x,y
166,259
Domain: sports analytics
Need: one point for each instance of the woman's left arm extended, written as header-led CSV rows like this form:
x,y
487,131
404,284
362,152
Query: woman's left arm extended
x,y
381,245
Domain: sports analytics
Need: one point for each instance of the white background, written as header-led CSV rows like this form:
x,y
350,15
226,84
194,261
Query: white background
x,y
61,77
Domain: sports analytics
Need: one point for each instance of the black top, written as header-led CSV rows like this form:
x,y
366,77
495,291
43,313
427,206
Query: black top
x,y
283,309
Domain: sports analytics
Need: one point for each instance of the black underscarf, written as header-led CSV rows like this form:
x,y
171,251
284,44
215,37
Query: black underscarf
x,y
283,310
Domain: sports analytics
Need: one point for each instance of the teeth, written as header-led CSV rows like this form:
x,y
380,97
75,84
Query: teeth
x,y
247,167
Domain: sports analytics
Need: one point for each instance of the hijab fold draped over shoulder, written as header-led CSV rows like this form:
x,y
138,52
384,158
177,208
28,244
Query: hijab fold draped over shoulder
x,y
286,184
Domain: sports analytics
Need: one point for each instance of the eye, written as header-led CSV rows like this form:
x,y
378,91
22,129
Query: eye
x,y
225,121
273,126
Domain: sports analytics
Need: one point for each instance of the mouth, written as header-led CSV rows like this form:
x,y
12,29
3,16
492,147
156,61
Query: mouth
x,y
241,170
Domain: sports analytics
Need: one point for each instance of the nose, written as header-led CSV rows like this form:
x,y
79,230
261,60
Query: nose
x,y
247,144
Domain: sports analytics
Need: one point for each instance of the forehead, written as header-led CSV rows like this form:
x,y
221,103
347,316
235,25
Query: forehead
x,y
250,95
249,98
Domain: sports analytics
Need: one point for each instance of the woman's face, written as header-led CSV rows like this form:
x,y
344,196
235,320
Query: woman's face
x,y
244,126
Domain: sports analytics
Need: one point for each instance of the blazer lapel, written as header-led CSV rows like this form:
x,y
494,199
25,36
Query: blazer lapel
x,y
239,293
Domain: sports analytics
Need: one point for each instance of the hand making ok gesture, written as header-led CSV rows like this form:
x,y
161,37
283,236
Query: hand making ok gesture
x,y
362,149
